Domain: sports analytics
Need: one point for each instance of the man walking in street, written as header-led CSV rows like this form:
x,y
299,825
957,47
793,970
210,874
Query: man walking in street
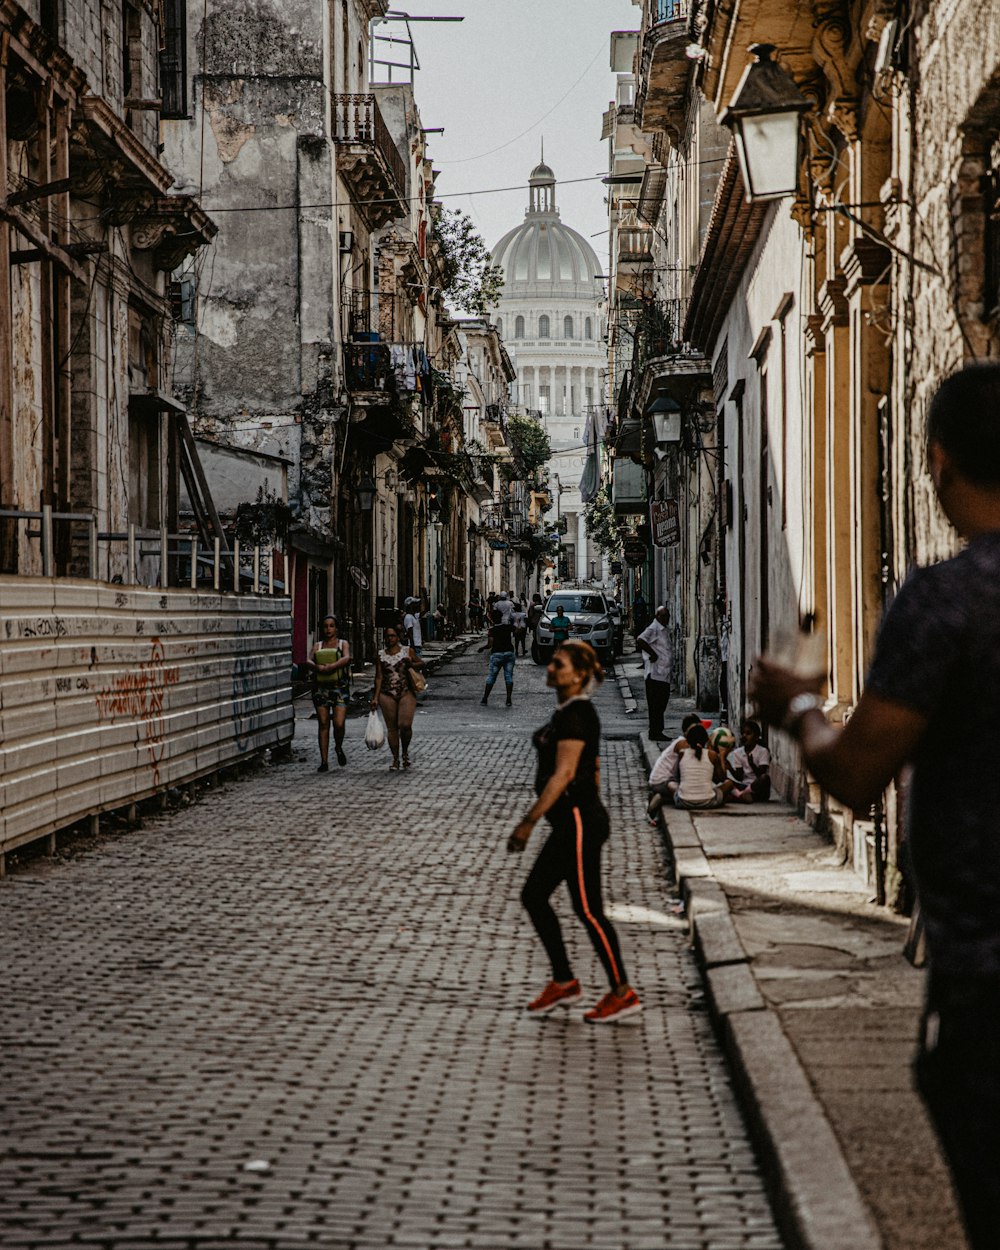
x,y
501,645
933,685
411,624
658,662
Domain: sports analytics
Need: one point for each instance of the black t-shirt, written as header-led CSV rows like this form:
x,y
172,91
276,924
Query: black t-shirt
x,y
502,638
939,653
577,720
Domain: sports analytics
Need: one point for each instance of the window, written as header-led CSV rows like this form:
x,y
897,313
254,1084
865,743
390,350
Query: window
x,y
567,327
588,329
519,328
543,400
576,431
500,326
543,327
173,70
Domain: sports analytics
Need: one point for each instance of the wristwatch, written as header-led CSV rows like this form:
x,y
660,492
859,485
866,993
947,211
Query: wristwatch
x,y
798,707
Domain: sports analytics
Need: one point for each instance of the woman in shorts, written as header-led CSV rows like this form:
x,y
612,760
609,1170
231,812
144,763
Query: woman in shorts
x,y
330,663
394,696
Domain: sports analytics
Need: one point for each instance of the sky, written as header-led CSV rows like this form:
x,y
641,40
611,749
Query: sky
x,y
491,80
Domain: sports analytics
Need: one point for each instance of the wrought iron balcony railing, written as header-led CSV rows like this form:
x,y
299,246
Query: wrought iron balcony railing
x,y
357,120
668,10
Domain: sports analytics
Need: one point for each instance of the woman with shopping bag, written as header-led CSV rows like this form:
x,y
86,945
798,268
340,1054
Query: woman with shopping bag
x,y
397,675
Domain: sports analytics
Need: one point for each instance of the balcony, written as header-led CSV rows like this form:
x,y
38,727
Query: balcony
x,y
657,331
663,65
628,487
368,370
368,159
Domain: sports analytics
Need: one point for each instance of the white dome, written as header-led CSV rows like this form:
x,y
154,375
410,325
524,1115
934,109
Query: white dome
x,y
544,257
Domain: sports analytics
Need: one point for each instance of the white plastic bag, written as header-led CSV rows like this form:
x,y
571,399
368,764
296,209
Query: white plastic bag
x,y
375,730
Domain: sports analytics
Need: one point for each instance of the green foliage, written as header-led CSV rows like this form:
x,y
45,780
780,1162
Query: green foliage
x,y
529,441
543,547
602,524
471,281
263,522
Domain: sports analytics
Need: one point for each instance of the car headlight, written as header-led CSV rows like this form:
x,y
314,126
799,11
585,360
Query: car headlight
x,y
603,623
546,622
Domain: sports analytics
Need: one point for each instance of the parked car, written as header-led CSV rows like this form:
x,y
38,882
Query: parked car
x,y
588,612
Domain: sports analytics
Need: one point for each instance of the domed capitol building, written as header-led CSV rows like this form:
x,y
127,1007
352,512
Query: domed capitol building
x,y
551,320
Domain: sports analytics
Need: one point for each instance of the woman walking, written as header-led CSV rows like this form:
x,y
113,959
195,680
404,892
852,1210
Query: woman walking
x,y
330,663
394,696
567,782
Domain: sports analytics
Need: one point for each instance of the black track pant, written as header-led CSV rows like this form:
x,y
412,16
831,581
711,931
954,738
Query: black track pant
x,y
572,853
958,1074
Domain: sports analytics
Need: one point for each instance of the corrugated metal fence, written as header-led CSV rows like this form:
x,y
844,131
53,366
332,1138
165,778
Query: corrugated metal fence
x,y
109,694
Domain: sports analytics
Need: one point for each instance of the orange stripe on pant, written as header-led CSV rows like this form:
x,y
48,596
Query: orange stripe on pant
x,y
583,897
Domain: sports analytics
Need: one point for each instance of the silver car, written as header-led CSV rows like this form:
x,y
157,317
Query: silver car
x,y
588,613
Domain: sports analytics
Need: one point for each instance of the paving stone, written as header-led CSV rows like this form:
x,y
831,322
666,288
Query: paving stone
x,y
328,973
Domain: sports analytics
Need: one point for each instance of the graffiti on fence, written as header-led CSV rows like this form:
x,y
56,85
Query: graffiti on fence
x,y
246,704
139,696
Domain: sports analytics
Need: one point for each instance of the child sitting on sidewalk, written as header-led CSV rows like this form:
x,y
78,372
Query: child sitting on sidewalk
x,y
749,766
665,770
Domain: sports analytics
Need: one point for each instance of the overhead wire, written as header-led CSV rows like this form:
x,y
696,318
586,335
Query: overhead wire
x,y
464,160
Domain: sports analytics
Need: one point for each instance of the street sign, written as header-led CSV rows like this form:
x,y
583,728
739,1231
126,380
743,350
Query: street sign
x,y
635,551
497,545
664,522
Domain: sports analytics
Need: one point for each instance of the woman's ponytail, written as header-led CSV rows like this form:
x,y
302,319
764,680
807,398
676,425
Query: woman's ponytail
x,y
697,739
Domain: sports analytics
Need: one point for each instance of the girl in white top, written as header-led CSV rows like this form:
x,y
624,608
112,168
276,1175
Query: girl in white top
x,y
701,773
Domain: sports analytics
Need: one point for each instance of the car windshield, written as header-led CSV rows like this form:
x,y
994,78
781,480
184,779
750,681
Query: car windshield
x,y
575,603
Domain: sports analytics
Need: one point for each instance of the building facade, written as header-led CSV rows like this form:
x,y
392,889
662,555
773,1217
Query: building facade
x,y
551,315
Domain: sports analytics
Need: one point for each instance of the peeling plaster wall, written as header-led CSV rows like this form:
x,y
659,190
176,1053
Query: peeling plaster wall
x,y
260,373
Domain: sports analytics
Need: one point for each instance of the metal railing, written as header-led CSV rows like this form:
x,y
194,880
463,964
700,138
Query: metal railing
x,y
667,11
357,119
658,330
250,570
368,367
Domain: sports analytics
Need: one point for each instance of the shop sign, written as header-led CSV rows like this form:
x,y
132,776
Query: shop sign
x,y
635,552
664,522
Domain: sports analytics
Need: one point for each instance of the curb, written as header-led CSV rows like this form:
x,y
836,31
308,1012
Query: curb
x,y
815,1199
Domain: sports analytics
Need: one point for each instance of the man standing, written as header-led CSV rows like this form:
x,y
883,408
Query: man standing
x,y
658,663
934,676
501,644
505,606
411,624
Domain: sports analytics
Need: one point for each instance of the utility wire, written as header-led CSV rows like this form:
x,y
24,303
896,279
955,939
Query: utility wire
x,y
464,160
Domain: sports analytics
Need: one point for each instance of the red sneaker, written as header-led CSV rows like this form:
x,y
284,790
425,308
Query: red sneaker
x,y
614,1007
555,995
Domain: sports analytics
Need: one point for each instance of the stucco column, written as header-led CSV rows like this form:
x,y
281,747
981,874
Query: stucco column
x,y
839,517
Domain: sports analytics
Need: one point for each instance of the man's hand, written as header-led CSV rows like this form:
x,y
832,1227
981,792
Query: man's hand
x,y
772,687
518,840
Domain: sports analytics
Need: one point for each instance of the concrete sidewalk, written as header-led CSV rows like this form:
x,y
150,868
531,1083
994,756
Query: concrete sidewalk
x,y
818,1012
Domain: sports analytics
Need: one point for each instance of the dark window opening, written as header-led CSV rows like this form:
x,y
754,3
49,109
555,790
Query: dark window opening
x,y
173,60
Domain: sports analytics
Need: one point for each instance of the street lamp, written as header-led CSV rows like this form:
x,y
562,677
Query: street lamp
x,y
665,412
365,492
765,118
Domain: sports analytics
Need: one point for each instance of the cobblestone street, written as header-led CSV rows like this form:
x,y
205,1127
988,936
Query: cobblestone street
x,y
292,1015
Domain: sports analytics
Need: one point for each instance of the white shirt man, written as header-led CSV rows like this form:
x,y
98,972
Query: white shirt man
x,y
658,662
411,623
505,606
